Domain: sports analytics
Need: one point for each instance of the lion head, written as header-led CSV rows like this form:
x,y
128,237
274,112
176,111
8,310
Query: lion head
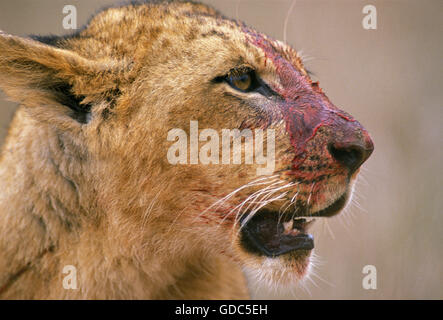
x,y
139,79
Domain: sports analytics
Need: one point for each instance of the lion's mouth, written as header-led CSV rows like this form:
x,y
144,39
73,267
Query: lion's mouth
x,y
272,234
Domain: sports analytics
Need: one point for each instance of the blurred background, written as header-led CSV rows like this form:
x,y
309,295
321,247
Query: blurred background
x,y
390,79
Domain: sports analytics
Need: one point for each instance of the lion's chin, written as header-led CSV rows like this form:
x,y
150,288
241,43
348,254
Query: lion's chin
x,y
280,273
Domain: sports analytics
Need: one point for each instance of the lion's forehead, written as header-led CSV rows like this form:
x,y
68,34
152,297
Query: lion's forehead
x,y
122,31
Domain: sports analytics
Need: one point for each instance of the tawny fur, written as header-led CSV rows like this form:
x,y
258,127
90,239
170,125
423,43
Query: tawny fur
x,y
97,192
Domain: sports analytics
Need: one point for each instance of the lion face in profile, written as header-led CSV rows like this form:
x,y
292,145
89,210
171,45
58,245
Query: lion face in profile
x,y
111,93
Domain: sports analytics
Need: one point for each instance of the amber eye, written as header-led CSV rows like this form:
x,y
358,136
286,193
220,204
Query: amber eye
x,y
245,79
241,82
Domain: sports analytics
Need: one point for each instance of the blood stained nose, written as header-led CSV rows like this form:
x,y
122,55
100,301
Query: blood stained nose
x,y
351,154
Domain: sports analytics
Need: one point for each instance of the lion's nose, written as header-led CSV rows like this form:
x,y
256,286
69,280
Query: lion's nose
x,y
352,154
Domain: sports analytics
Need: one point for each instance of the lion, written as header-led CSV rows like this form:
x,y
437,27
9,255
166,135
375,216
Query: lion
x,y
86,185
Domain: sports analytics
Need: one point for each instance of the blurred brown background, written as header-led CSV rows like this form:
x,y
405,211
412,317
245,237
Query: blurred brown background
x,y
390,79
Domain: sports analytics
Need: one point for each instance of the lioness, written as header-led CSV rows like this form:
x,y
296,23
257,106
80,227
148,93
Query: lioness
x,y
84,173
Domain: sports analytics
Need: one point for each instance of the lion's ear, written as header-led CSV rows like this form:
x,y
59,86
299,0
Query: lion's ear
x,y
53,83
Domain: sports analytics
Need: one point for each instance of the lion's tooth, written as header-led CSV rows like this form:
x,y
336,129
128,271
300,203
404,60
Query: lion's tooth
x,y
288,226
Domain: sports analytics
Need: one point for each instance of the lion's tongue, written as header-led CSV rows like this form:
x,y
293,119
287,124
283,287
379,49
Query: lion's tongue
x,y
267,235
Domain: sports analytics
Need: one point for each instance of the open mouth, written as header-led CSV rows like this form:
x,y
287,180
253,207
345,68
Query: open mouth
x,y
271,234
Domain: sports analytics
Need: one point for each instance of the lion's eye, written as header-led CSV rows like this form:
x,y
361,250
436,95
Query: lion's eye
x,y
241,82
245,79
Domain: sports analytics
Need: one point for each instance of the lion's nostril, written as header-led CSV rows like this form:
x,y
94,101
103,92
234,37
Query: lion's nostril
x,y
352,156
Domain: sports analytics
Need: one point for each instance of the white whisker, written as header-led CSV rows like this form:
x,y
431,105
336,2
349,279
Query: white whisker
x,y
285,28
220,202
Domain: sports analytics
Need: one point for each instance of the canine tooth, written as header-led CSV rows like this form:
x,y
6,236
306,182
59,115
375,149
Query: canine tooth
x,y
288,226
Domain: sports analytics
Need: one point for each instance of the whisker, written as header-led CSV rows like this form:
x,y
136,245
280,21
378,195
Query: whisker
x,y
326,223
273,192
266,192
251,215
254,196
285,28
310,195
223,200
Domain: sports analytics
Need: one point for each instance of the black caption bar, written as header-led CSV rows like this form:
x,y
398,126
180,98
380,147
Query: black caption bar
x,y
248,309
